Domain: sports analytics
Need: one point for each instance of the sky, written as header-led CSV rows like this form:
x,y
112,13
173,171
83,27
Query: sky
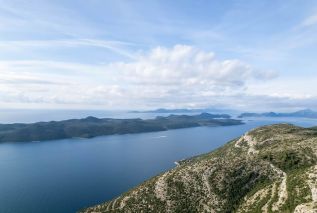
x,y
139,54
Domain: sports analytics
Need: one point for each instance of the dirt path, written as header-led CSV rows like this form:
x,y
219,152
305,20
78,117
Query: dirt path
x,y
312,183
250,142
265,208
161,188
282,190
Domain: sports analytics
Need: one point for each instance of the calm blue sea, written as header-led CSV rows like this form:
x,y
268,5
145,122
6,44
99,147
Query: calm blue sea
x,y
64,176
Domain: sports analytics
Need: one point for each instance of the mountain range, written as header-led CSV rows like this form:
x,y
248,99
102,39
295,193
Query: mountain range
x,y
184,110
306,113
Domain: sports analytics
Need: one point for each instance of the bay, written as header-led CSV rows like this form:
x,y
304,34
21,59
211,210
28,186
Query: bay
x,y
67,175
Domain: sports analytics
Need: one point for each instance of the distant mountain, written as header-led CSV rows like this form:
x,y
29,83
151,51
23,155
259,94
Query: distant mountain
x,y
307,113
208,115
92,127
162,110
269,169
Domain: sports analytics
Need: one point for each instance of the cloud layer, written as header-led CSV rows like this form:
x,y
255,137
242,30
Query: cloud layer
x,y
116,54
182,76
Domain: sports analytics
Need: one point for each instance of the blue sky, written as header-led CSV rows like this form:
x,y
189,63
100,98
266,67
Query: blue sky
x,y
247,55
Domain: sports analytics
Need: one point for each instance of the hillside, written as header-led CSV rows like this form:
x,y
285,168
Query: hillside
x,y
92,127
269,169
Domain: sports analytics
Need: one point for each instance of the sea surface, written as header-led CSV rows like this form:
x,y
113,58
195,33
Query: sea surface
x,y
63,176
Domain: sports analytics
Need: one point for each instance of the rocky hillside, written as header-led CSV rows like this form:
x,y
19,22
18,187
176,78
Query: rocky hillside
x,y
269,169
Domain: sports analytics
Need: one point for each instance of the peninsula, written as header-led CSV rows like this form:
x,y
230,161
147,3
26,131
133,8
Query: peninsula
x,y
91,127
269,169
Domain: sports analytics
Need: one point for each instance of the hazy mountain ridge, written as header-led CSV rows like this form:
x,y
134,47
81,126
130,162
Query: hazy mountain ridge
x,y
306,113
92,127
269,169
184,110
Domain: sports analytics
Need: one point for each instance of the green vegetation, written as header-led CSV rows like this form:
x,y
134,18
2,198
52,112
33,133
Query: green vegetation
x,y
269,169
298,188
289,160
92,127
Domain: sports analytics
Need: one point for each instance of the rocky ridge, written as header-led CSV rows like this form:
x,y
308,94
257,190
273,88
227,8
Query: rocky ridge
x,y
269,169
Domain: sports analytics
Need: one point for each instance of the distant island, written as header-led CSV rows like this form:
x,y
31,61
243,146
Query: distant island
x,y
306,113
91,127
162,110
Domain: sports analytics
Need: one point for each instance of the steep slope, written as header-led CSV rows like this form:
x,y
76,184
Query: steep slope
x,y
269,169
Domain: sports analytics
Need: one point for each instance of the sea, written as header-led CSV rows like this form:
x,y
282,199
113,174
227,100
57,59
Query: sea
x,y
64,176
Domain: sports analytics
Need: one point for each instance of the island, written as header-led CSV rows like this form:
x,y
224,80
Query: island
x,y
306,113
163,110
91,127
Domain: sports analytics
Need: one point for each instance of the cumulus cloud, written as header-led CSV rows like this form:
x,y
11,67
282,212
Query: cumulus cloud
x,y
186,65
182,76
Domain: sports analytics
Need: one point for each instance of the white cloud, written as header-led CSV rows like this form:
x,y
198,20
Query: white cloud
x,y
187,65
310,20
181,75
117,47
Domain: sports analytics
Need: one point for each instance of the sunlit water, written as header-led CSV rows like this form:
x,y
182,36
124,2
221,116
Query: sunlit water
x,y
67,175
